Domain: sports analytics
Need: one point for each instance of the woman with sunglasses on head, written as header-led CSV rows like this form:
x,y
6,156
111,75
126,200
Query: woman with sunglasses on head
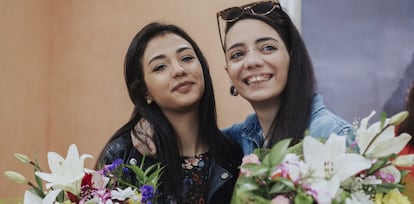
x,y
272,70
169,83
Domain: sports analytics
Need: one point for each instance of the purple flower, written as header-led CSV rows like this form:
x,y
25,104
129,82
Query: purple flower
x,y
111,167
115,164
147,192
387,177
126,171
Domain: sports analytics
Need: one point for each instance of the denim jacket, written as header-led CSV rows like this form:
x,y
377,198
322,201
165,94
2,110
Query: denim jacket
x,y
249,134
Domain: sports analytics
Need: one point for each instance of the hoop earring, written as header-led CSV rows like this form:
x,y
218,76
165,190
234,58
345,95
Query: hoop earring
x,y
233,91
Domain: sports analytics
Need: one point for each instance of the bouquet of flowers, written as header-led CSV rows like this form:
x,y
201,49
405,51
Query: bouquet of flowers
x,y
69,182
316,171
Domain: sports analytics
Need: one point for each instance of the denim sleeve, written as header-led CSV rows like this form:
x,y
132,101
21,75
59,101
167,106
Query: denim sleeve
x,y
234,132
229,132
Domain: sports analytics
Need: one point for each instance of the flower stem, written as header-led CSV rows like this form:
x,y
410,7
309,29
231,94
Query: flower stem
x,y
375,137
37,189
36,166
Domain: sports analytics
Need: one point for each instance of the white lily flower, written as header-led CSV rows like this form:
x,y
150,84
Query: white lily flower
x,y
123,194
384,144
330,165
66,173
330,159
324,190
32,198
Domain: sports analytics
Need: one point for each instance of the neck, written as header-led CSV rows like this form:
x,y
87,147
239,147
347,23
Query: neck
x,y
266,112
187,130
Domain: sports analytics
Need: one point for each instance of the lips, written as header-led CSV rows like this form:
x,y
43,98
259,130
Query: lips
x,y
256,79
183,86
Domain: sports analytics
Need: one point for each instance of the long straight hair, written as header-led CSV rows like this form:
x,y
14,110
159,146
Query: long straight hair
x,y
165,138
407,125
293,117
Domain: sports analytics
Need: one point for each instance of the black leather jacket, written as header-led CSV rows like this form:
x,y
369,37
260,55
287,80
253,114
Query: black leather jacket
x,y
222,176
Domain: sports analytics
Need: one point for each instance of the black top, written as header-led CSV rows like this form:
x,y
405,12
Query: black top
x,y
218,175
195,178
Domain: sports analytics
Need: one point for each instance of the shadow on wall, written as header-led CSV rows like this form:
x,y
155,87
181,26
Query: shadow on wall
x,y
359,51
396,102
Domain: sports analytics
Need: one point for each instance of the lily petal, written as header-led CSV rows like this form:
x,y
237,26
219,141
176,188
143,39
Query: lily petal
x,y
325,189
350,164
391,146
336,145
362,136
55,162
51,197
31,198
66,173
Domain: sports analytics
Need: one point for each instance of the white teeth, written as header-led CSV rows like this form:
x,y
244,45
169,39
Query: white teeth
x,y
258,79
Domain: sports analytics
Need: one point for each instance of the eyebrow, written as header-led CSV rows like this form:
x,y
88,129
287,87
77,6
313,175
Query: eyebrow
x,y
257,41
181,49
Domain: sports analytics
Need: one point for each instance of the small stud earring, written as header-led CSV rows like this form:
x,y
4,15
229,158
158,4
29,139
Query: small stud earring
x,y
233,91
149,101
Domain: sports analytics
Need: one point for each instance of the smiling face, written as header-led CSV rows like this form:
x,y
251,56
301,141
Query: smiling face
x,y
257,61
173,73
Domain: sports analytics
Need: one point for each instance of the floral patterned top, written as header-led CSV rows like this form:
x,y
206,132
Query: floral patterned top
x,y
195,177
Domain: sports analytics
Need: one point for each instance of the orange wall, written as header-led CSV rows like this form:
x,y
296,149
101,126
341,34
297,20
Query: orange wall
x,y
24,64
61,76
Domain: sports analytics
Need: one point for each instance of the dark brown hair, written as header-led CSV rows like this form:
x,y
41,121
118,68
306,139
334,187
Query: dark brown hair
x,y
294,114
407,125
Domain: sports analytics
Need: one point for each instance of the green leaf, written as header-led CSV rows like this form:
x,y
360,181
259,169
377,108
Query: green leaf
x,y
154,177
380,163
404,173
386,187
279,188
297,148
246,187
261,152
383,117
256,169
139,173
148,176
303,198
340,199
282,185
277,153
247,198
39,189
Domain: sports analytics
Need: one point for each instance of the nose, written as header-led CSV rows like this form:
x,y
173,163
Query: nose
x,y
178,70
253,59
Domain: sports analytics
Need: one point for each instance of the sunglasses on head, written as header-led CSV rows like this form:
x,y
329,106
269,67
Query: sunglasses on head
x,y
233,13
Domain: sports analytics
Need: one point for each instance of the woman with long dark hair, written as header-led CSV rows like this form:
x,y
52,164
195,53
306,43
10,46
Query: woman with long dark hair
x,y
269,66
169,83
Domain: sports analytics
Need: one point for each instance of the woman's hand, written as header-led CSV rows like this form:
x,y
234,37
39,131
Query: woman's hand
x,y
142,136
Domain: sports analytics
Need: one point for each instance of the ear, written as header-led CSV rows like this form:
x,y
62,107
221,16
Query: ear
x,y
227,69
228,76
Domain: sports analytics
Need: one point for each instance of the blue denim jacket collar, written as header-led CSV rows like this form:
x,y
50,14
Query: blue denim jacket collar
x,y
252,130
